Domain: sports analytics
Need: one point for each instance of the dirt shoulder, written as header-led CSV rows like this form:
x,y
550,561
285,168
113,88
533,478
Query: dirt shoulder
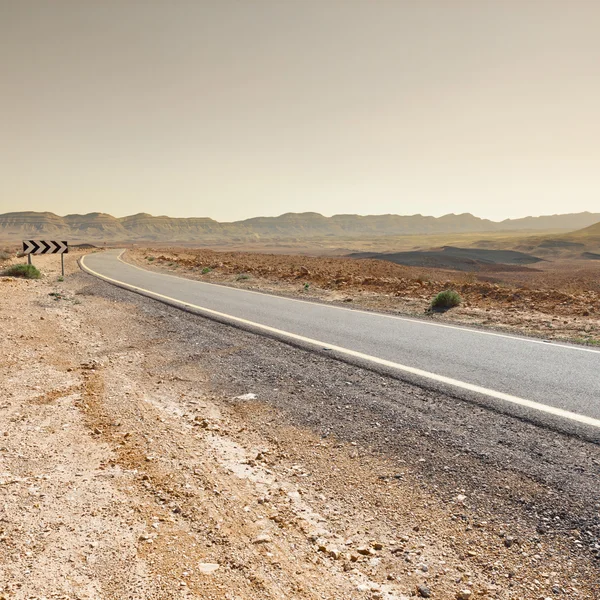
x,y
562,305
147,453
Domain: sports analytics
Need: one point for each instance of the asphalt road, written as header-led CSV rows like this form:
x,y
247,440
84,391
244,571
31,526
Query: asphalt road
x,y
533,378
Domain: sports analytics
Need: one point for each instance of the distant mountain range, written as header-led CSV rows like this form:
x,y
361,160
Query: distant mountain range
x,y
99,227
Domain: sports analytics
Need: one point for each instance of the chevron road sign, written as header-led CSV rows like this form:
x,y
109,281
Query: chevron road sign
x,y
42,247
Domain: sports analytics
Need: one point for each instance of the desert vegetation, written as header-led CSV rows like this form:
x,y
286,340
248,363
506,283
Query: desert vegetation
x,y
23,270
446,299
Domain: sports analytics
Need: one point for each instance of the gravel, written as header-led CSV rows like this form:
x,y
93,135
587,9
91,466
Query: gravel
x,y
484,466
503,464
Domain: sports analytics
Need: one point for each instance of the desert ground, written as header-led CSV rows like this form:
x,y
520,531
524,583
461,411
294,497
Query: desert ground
x,y
556,299
148,453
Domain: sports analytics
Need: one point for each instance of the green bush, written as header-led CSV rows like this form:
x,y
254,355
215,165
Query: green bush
x,y
446,299
4,255
206,270
242,277
26,271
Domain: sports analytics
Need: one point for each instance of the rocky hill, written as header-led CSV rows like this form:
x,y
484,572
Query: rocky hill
x,y
591,232
582,243
588,237
100,227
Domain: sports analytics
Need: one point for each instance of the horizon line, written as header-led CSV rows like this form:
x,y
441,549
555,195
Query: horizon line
x,y
464,214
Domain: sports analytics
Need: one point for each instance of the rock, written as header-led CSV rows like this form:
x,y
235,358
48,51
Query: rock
x,y
464,594
365,551
249,396
509,541
377,546
207,568
262,539
423,591
304,271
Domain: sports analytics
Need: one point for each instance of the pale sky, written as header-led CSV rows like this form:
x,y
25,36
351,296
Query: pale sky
x,y
233,109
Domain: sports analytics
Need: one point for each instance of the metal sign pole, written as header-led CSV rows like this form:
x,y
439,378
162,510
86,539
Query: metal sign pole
x,y
29,259
62,264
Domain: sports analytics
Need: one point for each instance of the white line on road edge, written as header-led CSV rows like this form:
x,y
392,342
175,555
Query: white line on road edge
x,y
551,410
463,328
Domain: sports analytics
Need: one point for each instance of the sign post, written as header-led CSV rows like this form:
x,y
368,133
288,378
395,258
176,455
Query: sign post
x,y
42,247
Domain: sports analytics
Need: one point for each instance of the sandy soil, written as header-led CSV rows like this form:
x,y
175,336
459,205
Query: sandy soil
x,y
561,301
124,474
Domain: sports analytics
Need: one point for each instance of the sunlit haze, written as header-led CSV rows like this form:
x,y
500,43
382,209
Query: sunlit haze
x,y
233,109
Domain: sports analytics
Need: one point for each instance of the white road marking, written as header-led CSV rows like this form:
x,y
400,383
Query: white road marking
x,y
547,343
551,410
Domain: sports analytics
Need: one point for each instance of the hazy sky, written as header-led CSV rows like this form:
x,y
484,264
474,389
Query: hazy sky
x,y
232,109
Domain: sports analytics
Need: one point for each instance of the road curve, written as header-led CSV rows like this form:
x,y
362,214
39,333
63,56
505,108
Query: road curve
x,y
531,377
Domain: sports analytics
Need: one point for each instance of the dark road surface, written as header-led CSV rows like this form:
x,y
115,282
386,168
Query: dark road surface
x,y
530,376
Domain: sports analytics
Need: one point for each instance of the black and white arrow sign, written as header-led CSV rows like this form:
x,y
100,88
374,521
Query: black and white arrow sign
x,y
43,247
